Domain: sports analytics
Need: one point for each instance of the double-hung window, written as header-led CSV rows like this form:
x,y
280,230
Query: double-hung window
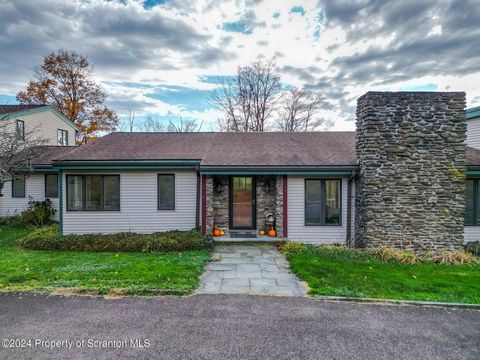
x,y
472,202
323,202
18,188
166,191
20,129
51,185
62,137
93,192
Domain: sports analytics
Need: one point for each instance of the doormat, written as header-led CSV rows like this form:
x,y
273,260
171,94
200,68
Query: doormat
x,y
237,235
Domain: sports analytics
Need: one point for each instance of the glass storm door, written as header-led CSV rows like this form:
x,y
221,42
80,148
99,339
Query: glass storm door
x,y
242,202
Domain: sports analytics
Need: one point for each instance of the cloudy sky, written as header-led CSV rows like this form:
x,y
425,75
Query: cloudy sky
x,y
163,57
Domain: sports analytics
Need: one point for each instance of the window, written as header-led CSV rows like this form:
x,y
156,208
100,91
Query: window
x,y
93,192
18,188
472,202
166,192
322,202
51,185
62,137
20,129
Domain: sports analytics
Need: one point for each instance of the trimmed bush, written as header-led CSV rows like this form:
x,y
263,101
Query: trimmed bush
x,y
473,247
49,238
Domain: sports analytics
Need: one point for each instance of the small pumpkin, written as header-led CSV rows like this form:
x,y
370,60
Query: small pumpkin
x,y
272,233
216,232
222,232
262,232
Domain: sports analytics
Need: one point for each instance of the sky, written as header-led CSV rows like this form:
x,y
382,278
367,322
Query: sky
x,y
163,58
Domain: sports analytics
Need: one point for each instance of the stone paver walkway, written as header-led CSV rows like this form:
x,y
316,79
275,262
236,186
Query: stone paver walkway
x,y
254,269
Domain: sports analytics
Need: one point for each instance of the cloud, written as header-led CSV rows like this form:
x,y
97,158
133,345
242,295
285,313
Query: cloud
x,y
163,56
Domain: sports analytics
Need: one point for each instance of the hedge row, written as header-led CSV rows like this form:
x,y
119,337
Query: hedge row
x,y
49,238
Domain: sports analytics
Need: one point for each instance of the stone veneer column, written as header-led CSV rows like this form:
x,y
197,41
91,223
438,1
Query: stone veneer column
x,y
279,204
209,205
411,152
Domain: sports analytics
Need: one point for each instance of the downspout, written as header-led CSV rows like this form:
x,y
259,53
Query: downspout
x,y
197,207
60,200
348,239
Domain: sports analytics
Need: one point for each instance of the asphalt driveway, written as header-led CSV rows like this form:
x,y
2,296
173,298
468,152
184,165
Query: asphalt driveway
x,y
231,327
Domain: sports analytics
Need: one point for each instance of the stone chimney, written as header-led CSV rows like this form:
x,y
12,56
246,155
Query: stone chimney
x,y
411,188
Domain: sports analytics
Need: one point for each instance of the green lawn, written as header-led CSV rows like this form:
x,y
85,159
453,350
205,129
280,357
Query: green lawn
x,y
338,275
97,273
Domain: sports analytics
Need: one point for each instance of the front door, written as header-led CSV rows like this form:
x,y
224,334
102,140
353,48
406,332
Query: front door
x,y
242,202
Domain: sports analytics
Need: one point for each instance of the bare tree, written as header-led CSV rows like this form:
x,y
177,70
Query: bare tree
x,y
131,120
189,125
129,124
17,153
299,109
152,124
248,99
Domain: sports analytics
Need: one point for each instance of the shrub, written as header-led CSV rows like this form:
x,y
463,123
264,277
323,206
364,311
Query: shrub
x,y
473,247
293,247
38,213
49,238
451,257
11,221
388,254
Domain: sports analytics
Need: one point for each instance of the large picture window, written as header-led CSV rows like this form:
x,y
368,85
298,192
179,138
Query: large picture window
x,y
51,185
18,188
62,137
472,202
93,192
166,192
323,202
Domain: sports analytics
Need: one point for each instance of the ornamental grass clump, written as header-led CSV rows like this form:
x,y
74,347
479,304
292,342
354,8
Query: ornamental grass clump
x,y
473,247
388,254
458,257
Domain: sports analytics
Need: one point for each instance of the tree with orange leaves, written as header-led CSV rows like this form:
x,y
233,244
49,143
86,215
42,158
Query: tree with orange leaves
x,y
64,81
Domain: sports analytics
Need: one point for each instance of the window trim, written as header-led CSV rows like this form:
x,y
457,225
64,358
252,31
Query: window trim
x,y
322,202
24,188
45,181
64,137
476,185
84,193
174,192
20,136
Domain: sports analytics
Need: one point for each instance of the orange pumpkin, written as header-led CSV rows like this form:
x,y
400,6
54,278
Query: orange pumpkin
x,y
222,232
262,232
216,232
272,233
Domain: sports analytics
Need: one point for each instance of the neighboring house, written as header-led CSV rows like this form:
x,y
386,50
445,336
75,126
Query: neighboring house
x,y
473,127
399,180
46,123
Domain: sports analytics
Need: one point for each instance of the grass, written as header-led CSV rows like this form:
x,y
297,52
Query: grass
x,y
351,273
174,273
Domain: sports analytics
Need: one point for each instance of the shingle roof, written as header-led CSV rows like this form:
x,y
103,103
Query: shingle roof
x,y
8,109
225,149
50,153
473,156
326,148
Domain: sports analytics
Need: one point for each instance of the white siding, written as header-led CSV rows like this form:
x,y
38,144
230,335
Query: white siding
x,y
138,206
472,233
473,133
34,188
296,216
44,125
